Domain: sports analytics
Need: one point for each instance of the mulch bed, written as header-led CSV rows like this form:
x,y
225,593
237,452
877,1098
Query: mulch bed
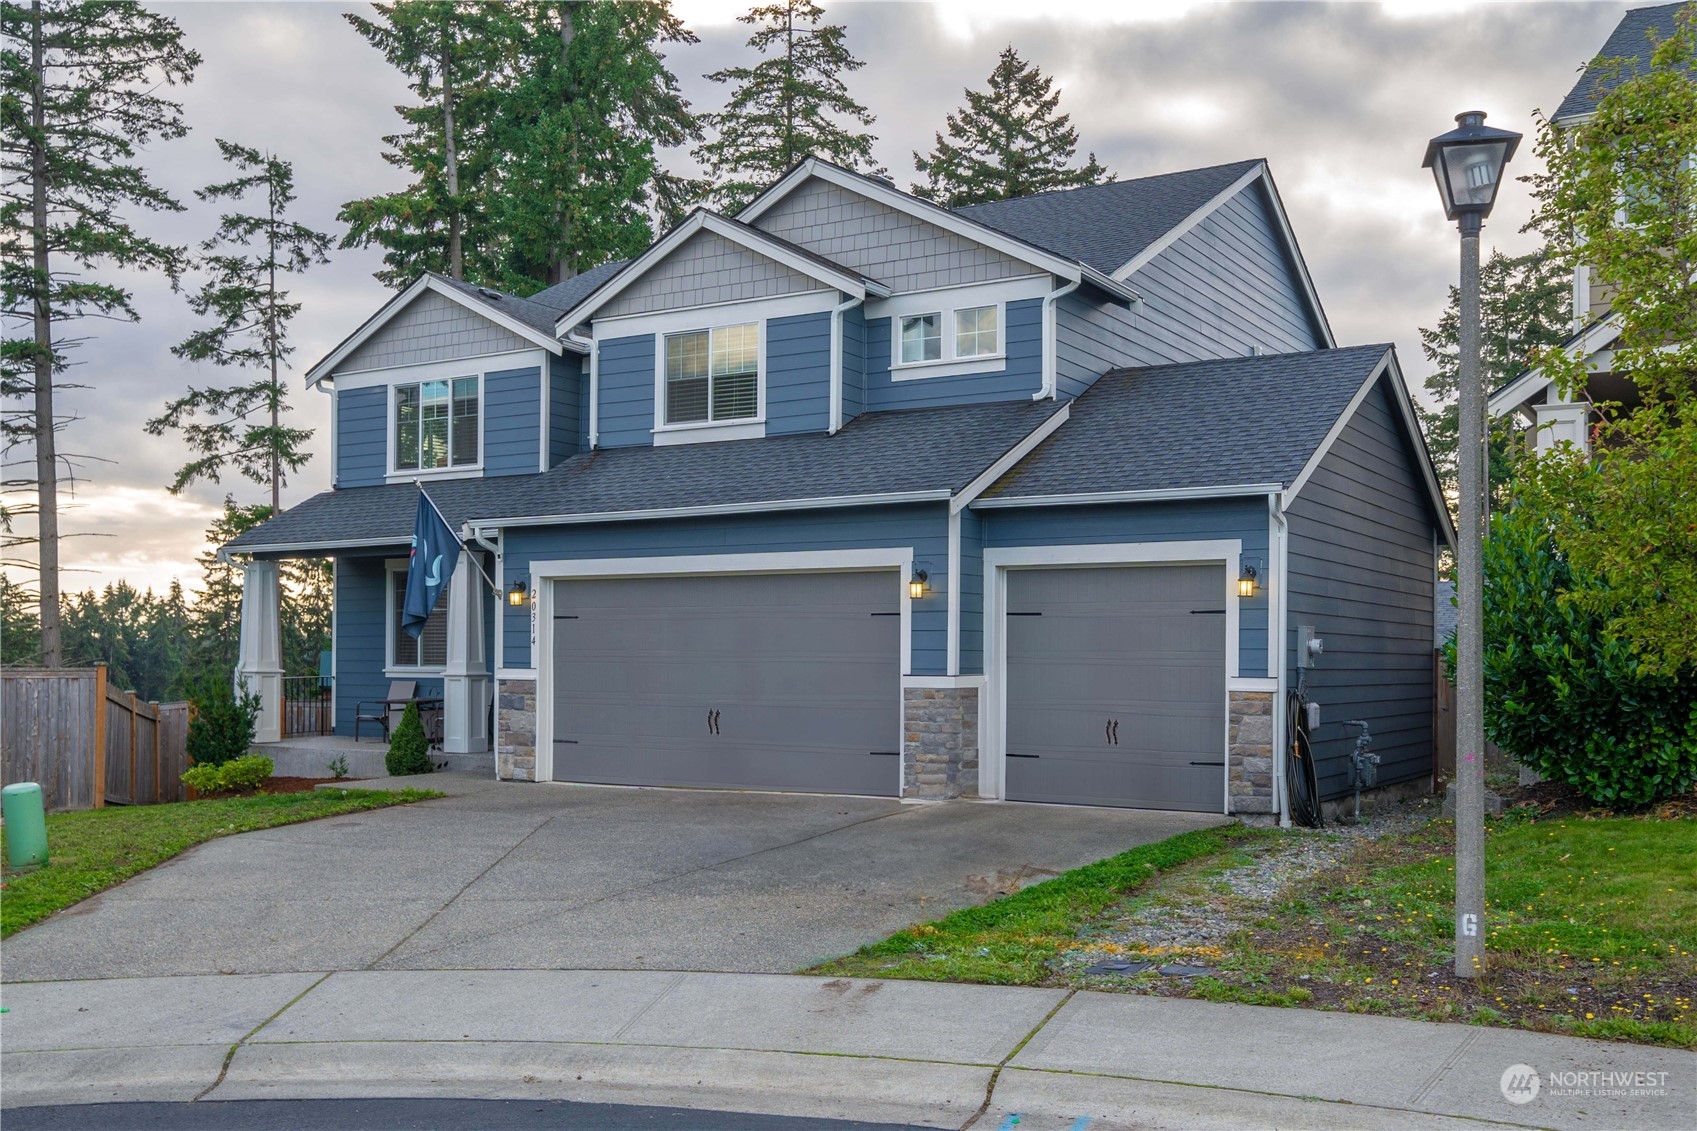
x,y
1557,799
288,785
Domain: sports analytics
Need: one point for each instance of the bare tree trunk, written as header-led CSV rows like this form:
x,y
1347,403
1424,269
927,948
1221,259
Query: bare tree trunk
x,y
271,336
456,257
564,265
789,85
46,455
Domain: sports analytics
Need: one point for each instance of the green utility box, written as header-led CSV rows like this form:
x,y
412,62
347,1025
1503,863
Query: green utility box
x,y
26,824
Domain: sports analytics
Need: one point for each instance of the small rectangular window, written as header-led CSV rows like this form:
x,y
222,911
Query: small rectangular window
x,y
922,338
436,424
430,650
713,374
977,333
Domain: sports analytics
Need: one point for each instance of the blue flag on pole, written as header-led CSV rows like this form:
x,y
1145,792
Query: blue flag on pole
x,y
435,553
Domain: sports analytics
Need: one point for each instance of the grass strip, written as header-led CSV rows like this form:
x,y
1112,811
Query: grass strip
x,y
1009,942
93,850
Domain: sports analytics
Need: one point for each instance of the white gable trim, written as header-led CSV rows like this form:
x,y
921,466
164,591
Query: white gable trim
x,y
400,302
1533,381
1304,280
752,239
1387,367
934,214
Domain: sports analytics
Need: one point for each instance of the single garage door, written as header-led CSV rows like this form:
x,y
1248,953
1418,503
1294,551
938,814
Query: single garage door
x,y
1116,686
771,681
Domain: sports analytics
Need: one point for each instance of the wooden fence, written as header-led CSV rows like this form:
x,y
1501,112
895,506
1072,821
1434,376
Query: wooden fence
x,y
88,743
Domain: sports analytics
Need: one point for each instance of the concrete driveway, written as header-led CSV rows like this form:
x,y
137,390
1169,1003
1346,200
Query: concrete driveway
x,y
517,876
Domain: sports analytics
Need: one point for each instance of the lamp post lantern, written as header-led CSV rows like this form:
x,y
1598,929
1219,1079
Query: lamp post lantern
x,y
1467,163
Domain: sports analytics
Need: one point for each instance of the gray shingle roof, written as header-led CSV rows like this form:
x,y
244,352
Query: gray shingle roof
x,y
883,453
1629,40
1231,422
561,297
1105,226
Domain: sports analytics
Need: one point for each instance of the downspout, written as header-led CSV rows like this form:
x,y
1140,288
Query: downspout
x,y
1050,379
1280,614
495,661
594,422
837,313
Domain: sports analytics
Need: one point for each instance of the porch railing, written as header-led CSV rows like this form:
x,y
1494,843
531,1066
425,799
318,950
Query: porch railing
x,y
309,705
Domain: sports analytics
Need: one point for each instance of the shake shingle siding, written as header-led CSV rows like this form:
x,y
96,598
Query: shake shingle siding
x,y
901,251
707,268
362,449
1362,573
433,327
626,395
512,422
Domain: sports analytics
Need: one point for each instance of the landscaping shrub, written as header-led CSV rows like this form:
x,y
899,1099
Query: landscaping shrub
x,y
235,776
408,753
1562,695
223,724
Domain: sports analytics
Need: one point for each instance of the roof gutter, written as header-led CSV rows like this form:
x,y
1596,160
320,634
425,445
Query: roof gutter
x,y
285,547
758,507
1050,336
1154,496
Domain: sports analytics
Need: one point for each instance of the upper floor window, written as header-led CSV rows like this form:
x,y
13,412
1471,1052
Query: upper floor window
x,y
436,424
922,338
713,375
977,332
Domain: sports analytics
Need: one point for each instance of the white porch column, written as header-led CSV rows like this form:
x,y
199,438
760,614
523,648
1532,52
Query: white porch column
x,y
465,681
1562,422
259,666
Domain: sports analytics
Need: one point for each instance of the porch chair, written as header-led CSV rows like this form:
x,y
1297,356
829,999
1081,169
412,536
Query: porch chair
x,y
386,712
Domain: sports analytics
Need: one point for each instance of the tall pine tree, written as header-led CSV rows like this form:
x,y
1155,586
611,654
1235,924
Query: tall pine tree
x,y
789,105
80,91
241,425
1006,141
452,54
1523,309
589,107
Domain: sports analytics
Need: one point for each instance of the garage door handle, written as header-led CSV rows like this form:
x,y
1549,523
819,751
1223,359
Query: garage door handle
x,y
1012,755
1111,732
713,722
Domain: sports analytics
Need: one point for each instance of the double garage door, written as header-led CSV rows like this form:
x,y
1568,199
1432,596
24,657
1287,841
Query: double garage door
x,y
768,681
1115,683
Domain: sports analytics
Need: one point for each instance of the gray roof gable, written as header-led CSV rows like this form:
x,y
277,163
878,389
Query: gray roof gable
x,y
933,450
1242,421
1106,226
1631,39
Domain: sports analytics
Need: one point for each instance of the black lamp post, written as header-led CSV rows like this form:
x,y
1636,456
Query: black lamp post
x,y
1467,163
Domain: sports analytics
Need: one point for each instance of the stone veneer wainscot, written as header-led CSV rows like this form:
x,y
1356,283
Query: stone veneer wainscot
x,y
1249,756
939,743
515,731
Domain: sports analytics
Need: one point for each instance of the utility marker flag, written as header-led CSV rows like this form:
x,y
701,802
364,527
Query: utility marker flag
x,y
435,553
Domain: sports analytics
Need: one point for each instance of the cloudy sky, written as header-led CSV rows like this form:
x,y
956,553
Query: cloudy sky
x,y
1339,98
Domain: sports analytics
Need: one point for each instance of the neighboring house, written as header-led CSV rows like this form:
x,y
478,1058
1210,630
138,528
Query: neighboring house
x,y
856,494
1532,398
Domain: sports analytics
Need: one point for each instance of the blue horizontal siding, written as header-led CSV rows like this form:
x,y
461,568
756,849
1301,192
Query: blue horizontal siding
x,y
924,527
1020,377
1244,519
798,374
512,422
625,399
854,363
565,417
362,444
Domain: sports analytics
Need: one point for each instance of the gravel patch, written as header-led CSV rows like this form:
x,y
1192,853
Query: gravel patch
x,y
1191,921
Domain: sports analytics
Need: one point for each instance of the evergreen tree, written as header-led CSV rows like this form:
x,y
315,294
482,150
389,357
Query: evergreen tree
x,y
591,103
79,93
1005,142
451,51
250,330
788,106
1523,309
20,627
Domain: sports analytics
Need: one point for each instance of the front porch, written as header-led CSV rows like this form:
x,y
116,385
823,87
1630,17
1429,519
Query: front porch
x,y
309,756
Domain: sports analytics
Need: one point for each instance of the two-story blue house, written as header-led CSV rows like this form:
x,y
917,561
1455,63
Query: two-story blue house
x,y
856,494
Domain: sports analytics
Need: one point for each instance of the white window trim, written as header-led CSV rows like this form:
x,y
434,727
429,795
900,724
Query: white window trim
x,y
992,782
391,670
706,431
949,365
897,560
452,471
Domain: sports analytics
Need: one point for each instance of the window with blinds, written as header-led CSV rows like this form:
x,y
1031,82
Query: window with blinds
x,y
713,375
436,424
430,649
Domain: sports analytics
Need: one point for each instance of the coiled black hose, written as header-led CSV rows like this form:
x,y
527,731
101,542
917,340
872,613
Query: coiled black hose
x,y
1301,782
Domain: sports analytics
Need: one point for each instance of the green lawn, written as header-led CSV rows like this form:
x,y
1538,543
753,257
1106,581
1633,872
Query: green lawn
x,y
91,851
1012,940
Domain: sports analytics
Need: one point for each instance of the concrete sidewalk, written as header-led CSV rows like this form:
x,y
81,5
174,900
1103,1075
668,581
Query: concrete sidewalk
x,y
914,1052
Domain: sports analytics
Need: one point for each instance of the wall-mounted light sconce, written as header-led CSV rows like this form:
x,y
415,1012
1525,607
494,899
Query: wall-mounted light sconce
x,y
916,586
516,594
1246,581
